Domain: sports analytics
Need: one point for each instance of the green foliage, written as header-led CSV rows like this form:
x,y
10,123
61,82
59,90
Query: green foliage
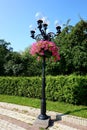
x,y
14,65
55,88
72,42
20,86
4,50
71,89
31,67
73,49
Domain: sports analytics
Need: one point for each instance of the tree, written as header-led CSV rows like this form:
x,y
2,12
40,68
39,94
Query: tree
x,y
14,65
73,49
31,66
79,50
4,50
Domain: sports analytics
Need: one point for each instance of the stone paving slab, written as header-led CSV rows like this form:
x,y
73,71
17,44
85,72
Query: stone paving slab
x,y
5,125
16,122
17,117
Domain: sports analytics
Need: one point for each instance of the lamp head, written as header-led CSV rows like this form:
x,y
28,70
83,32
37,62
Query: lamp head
x,y
32,33
39,22
58,28
45,26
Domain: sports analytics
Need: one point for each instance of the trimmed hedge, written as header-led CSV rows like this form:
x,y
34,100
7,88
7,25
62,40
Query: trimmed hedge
x,y
71,89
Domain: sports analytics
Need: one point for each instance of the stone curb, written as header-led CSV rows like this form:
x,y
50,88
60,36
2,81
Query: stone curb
x,y
72,119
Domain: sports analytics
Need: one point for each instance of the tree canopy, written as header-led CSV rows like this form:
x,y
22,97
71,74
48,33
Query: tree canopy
x,y
72,42
73,48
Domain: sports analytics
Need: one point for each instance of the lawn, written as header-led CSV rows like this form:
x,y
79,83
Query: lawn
x,y
80,111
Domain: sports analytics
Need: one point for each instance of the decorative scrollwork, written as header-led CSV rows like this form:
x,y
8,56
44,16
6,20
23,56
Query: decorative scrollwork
x,y
39,37
51,36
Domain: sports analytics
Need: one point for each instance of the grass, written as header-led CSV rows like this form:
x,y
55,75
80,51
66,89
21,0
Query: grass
x,y
43,129
80,111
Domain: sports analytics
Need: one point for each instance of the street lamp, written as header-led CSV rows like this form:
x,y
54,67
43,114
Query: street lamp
x,y
43,35
46,37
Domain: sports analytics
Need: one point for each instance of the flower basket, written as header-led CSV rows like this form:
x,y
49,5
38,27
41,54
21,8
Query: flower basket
x,y
45,48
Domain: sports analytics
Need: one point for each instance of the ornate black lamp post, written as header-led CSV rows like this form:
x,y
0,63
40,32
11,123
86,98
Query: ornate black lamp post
x,y
43,35
48,37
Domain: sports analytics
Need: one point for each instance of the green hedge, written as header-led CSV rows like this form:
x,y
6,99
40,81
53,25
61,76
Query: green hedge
x,y
70,89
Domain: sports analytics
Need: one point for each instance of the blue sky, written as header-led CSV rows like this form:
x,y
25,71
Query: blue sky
x,y
17,15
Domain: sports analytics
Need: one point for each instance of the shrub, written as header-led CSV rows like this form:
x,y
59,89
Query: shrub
x,y
71,89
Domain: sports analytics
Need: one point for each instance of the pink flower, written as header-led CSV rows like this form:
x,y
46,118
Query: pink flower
x,y
46,48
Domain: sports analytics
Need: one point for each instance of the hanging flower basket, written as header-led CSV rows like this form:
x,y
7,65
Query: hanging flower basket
x,y
45,48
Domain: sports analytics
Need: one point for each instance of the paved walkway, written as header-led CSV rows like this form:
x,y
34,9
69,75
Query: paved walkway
x,y
17,117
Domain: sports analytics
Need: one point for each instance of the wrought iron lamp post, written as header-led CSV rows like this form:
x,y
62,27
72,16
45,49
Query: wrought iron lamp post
x,y
44,36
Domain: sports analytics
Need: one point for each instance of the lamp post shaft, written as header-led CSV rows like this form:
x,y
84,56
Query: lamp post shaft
x,y
43,102
43,115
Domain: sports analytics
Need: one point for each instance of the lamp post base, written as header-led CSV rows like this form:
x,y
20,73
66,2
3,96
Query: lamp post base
x,y
43,123
43,117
